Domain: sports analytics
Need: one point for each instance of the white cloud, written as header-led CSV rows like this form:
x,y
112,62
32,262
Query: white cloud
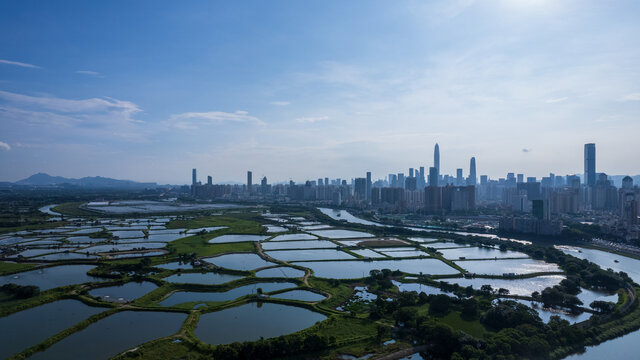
x,y
73,106
193,120
89,72
631,97
4,146
311,119
94,118
557,100
21,64
280,103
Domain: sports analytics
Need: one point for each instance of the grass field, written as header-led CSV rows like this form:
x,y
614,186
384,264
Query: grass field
x,y
9,268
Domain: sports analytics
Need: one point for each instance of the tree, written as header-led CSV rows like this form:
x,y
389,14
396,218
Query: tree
x,y
439,304
469,308
486,289
604,307
503,291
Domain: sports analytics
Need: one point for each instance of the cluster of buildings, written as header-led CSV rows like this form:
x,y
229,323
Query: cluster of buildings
x,y
415,191
535,205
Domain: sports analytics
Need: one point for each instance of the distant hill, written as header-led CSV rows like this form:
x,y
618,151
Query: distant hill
x,y
42,179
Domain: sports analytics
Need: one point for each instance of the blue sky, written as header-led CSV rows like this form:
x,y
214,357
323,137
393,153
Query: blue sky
x,y
147,90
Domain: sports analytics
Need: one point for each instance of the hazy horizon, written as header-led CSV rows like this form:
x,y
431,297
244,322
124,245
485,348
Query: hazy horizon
x,y
146,91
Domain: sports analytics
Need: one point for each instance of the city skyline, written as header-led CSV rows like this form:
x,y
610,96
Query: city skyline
x,y
152,92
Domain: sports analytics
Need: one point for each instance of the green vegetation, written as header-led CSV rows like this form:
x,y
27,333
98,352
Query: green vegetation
x,y
10,268
466,325
73,209
199,245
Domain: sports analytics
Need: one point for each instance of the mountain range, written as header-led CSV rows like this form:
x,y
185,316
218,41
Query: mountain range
x,y
46,180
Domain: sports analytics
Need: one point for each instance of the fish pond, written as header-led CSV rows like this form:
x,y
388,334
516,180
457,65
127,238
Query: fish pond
x,y
254,321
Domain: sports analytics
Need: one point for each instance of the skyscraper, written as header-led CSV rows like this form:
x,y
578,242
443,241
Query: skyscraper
x,y
249,180
433,176
590,164
194,178
472,172
459,177
368,187
436,159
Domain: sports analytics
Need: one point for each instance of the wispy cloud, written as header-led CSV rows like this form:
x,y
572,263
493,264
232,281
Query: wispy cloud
x,y
89,72
21,64
557,100
280,103
311,119
72,106
631,97
4,146
90,119
193,120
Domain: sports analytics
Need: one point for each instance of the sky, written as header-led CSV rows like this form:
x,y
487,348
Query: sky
x,y
148,90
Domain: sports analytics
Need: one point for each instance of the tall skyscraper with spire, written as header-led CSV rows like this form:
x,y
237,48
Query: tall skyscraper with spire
x,y
473,179
436,159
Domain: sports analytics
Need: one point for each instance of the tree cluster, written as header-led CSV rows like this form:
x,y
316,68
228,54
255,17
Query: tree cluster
x,y
20,291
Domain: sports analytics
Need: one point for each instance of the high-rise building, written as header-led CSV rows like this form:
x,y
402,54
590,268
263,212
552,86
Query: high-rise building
x,y
410,172
410,183
433,176
436,159
473,179
393,180
368,187
194,178
209,180
459,177
360,188
590,164
249,181
520,178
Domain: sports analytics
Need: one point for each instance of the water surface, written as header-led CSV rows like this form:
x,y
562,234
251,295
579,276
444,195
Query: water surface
x,y
302,295
126,292
253,321
479,253
305,244
51,277
209,278
114,334
625,347
237,238
248,261
29,327
193,296
303,255
499,267
522,287
360,269
300,236
606,260
281,271
341,234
